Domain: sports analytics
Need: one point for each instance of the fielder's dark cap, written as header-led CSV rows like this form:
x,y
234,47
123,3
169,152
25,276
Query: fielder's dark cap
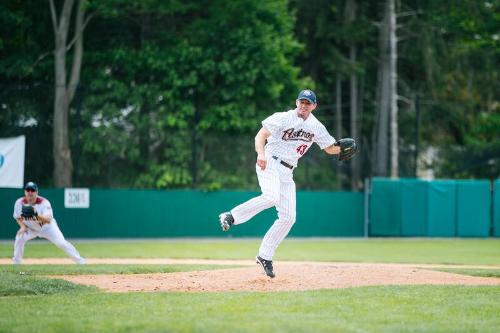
x,y
308,95
31,186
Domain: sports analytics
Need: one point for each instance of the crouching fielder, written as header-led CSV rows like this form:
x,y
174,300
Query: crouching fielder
x,y
34,215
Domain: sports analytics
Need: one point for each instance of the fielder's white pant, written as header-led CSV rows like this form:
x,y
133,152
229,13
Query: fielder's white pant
x,y
278,189
48,231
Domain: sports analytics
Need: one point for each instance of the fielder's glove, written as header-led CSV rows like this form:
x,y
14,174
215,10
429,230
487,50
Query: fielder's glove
x,y
347,148
28,212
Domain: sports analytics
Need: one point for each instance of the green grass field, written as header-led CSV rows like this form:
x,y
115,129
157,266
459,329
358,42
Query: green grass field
x,y
30,302
439,251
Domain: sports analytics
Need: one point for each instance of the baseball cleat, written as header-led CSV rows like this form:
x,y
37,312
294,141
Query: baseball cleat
x,y
267,266
226,221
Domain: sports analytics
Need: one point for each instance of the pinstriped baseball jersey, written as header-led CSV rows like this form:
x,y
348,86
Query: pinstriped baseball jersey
x,y
292,136
42,206
49,231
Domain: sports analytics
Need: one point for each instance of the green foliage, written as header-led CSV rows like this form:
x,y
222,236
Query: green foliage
x,y
26,75
459,45
479,157
157,90
164,176
162,79
25,34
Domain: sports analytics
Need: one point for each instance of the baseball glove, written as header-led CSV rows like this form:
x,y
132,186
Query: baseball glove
x,y
347,148
28,212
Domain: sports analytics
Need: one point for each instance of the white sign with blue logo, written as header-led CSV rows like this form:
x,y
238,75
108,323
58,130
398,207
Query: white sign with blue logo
x,y
12,161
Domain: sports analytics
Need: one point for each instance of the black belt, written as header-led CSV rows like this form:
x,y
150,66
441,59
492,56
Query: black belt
x,y
283,162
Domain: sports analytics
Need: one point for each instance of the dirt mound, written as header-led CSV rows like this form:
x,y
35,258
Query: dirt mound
x,y
290,276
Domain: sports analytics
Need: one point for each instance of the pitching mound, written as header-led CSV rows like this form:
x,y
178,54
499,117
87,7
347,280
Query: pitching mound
x,y
290,276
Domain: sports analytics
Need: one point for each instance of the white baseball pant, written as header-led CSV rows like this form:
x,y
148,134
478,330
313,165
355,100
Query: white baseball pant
x,y
278,189
51,232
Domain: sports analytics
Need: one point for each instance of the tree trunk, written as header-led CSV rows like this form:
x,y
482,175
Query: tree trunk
x,y
383,104
354,120
360,159
144,136
64,92
393,89
350,17
62,153
338,122
145,110
196,137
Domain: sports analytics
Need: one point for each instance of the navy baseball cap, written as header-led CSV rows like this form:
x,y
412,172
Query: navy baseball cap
x,y
308,94
31,186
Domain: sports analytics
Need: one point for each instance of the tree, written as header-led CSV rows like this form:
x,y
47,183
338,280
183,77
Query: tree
x,y
350,16
338,122
64,88
26,83
168,84
338,40
387,94
462,78
182,76
393,88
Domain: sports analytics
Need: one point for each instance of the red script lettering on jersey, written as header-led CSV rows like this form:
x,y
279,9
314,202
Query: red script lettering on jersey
x,y
301,149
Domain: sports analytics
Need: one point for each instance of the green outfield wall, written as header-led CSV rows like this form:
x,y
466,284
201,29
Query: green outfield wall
x,y
496,209
441,208
404,207
473,208
152,213
385,208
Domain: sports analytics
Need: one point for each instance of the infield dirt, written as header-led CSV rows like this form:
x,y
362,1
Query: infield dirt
x,y
290,276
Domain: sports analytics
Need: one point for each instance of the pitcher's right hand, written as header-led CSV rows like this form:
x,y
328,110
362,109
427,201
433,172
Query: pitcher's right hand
x,y
261,161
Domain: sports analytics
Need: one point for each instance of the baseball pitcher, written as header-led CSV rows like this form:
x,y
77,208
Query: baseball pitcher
x,y
289,135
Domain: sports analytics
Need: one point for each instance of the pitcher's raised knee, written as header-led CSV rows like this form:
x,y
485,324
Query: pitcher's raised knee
x,y
287,218
272,198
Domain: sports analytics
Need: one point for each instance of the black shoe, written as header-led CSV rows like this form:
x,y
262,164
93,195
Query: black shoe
x,y
267,265
226,221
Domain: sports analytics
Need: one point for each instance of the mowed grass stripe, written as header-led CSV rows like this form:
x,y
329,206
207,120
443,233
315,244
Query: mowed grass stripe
x,y
105,269
368,309
473,272
19,280
437,251
17,284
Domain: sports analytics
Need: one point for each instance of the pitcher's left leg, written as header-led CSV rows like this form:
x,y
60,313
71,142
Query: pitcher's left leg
x,y
281,227
52,232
